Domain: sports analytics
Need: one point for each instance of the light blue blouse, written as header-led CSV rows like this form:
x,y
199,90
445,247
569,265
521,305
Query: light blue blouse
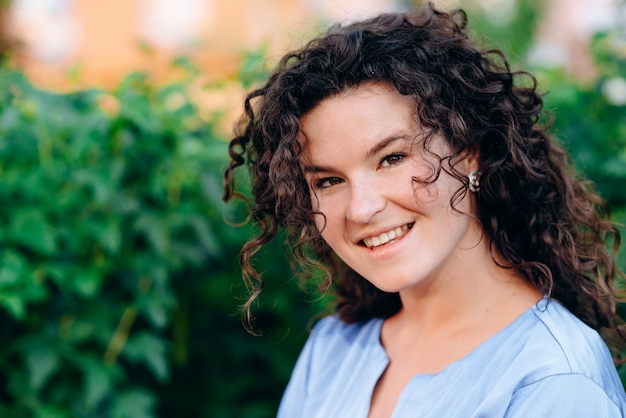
x,y
547,363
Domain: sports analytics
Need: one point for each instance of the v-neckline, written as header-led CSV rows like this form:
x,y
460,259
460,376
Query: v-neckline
x,y
377,336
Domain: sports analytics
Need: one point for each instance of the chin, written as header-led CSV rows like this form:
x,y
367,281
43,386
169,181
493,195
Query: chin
x,y
393,287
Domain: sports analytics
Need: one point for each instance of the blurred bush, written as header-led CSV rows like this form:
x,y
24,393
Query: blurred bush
x,y
106,204
118,272
591,118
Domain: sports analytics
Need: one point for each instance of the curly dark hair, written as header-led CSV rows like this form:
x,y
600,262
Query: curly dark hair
x,y
548,224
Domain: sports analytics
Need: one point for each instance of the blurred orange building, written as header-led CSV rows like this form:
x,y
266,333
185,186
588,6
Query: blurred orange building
x,y
100,41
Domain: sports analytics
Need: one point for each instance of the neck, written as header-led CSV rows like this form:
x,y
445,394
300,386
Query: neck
x,y
477,290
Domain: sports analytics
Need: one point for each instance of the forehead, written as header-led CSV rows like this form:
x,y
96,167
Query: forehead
x,y
358,117
373,93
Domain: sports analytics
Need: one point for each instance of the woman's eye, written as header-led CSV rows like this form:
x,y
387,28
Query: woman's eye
x,y
391,159
327,182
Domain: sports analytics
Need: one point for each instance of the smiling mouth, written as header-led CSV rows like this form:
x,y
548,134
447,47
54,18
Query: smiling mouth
x,y
387,237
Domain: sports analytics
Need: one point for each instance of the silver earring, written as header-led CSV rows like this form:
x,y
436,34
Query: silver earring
x,y
474,180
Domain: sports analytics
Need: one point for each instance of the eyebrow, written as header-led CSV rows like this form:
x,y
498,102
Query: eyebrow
x,y
315,169
385,143
371,152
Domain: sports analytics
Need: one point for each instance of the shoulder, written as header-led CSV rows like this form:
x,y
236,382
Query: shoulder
x,y
566,395
332,335
335,353
574,346
335,348
564,354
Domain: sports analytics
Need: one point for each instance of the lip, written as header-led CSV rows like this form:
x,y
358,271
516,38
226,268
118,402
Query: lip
x,y
380,231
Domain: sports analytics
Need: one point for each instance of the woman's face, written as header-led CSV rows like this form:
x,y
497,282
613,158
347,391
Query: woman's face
x,y
362,151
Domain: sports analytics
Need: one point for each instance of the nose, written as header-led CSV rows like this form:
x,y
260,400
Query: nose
x,y
366,200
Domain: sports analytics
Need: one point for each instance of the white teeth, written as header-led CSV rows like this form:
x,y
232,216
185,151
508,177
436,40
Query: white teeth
x,y
386,237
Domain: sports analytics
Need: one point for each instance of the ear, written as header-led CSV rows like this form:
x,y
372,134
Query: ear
x,y
472,161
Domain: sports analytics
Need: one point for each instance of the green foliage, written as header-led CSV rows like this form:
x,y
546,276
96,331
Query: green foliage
x,y
116,265
101,214
105,216
508,25
592,126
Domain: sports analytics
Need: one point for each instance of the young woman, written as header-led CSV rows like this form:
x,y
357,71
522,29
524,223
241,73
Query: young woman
x,y
469,263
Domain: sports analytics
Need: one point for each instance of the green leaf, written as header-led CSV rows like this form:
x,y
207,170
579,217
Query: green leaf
x,y
14,304
33,231
59,273
151,350
111,236
155,310
134,403
87,282
51,412
42,362
99,381
12,267
155,232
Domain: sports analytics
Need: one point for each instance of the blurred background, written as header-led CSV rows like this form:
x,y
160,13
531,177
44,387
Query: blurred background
x,y
119,277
